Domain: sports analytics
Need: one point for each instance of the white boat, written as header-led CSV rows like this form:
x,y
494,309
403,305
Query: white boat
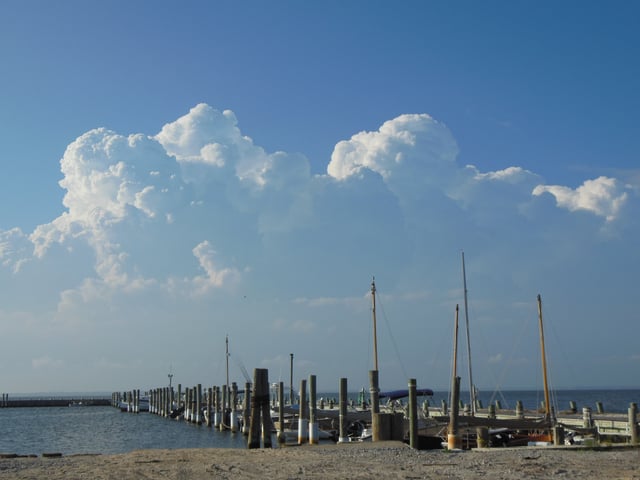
x,y
143,405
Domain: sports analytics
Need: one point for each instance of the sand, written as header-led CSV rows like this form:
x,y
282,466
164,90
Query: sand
x,y
380,460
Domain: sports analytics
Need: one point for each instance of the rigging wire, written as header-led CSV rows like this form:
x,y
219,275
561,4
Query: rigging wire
x,y
393,340
509,363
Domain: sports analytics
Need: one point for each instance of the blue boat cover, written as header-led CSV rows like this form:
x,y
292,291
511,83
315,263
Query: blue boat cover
x,y
395,394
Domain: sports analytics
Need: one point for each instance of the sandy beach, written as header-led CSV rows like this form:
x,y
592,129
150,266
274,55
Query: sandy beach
x,y
388,460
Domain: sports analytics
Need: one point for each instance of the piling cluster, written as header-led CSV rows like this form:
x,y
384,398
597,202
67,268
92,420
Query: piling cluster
x,y
252,412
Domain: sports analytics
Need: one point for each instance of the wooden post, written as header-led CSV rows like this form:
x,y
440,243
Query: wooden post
x,y
209,405
281,436
492,411
599,407
519,409
314,433
179,401
303,430
198,403
192,404
558,435
343,411
217,406
224,420
413,414
256,407
443,406
587,421
453,440
633,425
233,417
187,404
482,435
266,411
260,413
247,409
375,404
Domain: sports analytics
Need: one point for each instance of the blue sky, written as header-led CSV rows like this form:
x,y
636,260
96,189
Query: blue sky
x,y
174,172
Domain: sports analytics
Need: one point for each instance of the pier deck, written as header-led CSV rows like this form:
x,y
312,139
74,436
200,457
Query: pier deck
x,y
55,402
612,424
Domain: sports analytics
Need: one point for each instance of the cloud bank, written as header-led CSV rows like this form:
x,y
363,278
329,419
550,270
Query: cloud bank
x,y
197,222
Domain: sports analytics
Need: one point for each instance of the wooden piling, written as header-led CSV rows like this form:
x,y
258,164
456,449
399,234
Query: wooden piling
x,y
209,406
246,412
216,407
314,433
413,414
587,419
375,404
179,402
519,409
599,407
233,415
281,436
453,440
558,435
224,420
482,436
633,424
260,414
343,411
572,407
187,404
198,403
303,419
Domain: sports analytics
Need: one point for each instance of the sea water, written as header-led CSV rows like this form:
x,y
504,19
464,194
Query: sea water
x,y
93,429
612,401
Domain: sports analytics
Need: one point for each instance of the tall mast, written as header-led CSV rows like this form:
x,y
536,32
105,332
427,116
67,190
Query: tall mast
x,y
227,358
547,405
452,439
375,335
472,390
455,346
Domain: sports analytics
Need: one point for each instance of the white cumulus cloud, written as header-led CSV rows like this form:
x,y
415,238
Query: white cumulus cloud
x,y
602,196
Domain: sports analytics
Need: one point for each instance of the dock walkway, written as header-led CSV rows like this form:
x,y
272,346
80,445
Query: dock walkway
x,y
62,401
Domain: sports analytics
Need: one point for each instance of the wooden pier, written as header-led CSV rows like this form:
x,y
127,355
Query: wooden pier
x,y
62,401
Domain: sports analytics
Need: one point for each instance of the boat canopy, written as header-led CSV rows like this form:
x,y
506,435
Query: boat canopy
x,y
396,394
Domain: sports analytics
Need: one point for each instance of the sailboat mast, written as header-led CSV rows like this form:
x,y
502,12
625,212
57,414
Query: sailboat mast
x,y
375,335
227,358
452,439
472,390
455,345
547,405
